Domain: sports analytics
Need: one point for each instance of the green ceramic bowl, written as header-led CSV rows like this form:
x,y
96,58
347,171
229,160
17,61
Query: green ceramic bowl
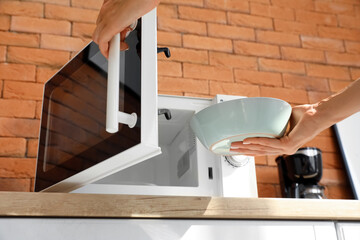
x,y
221,124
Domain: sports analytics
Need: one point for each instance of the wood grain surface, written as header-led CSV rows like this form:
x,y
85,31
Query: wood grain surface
x,y
21,204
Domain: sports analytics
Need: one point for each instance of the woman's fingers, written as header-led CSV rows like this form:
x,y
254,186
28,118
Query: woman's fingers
x,y
249,148
270,142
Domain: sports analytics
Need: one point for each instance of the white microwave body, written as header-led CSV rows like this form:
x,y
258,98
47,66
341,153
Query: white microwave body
x,y
185,167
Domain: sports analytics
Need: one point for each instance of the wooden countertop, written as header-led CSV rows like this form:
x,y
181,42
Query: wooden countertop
x,y
21,204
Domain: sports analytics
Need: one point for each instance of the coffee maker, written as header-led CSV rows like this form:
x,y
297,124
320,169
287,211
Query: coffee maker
x,y
300,174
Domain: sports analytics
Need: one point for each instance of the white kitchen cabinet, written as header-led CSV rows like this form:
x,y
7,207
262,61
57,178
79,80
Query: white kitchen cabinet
x,y
348,230
146,229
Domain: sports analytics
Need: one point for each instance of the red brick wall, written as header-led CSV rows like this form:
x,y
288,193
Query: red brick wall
x,y
299,51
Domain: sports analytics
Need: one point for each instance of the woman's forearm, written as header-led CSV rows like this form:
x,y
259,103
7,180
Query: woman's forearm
x,y
339,106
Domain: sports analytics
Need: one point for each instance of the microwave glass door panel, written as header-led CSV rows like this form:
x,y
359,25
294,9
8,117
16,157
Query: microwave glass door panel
x,y
72,135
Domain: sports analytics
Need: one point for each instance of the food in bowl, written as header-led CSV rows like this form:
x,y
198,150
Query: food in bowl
x,y
221,124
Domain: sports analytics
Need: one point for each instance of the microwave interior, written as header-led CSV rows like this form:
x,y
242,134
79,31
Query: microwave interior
x,y
177,165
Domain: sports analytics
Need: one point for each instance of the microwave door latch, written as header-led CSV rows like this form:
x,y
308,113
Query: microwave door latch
x,y
113,115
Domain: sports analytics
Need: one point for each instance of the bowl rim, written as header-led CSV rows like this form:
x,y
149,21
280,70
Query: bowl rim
x,y
243,99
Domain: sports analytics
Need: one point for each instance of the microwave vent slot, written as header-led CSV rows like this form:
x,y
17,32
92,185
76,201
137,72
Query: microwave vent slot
x,y
183,164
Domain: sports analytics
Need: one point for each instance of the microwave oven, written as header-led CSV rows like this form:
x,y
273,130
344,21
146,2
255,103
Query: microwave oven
x,y
157,155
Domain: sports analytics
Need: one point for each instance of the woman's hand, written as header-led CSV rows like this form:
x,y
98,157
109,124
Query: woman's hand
x,y
116,16
303,127
305,123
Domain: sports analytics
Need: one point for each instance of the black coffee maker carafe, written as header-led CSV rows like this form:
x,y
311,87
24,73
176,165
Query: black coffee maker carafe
x,y
300,174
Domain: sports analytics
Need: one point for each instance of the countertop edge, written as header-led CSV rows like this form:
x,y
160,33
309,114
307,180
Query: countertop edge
x,y
71,205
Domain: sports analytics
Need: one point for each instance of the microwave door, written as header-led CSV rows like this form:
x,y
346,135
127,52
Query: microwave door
x,y
74,147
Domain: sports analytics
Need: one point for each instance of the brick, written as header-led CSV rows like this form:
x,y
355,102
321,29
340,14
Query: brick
x,y
21,8
19,39
266,190
71,13
349,22
250,21
297,96
339,33
260,160
355,2
327,132
207,72
300,54
352,47
267,175
83,29
38,110
231,5
304,4
201,14
171,93
261,1
237,89
59,2
169,39
305,82
167,10
4,22
92,4
271,160
332,160
295,27
344,59
334,7
215,44
182,26
198,3
326,144
2,54
315,97
17,108
166,68
62,42
272,11
1,87
281,66
187,55
258,78
32,147
316,18
44,73
333,176
15,184
17,72
337,85
256,49
327,71
12,147
355,73
37,56
183,85
232,60
339,192
73,54
23,90
197,95
17,167
231,32
17,127
325,44
40,25
278,38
